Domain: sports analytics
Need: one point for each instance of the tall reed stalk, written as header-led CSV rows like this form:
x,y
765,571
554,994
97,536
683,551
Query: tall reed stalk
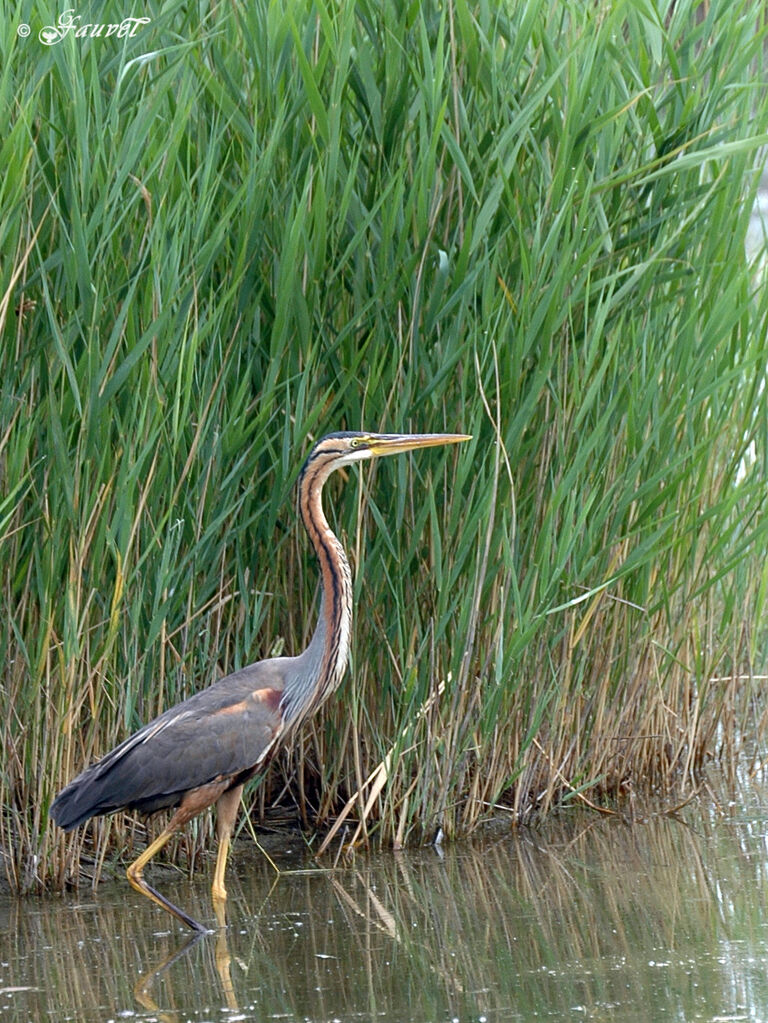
x,y
246,225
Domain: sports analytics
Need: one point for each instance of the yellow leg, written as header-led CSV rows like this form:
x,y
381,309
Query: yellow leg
x,y
226,810
135,874
218,890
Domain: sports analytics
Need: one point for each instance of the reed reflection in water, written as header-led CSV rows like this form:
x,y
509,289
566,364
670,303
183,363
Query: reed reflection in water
x,y
589,919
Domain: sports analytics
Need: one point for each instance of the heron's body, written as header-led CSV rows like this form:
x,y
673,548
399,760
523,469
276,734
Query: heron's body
x,y
145,772
202,751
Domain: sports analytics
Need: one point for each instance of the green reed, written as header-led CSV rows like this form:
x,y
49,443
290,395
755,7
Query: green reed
x,y
245,226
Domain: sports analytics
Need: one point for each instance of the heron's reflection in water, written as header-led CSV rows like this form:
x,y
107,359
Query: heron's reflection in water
x,y
215,939
143,987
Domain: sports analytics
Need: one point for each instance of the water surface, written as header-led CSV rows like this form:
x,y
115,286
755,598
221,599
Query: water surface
x,y
586,919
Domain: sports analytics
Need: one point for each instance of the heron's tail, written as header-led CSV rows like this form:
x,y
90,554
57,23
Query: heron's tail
x,y
79,801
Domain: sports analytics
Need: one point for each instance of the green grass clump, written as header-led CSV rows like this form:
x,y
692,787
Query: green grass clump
x,y
246,225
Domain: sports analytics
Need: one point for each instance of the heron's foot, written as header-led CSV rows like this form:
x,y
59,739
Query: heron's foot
x,y
220,909
136,878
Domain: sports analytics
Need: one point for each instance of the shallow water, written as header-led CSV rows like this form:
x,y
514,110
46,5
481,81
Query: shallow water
x,y
587,919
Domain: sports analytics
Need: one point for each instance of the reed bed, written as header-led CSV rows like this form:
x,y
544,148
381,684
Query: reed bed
x,y
243,226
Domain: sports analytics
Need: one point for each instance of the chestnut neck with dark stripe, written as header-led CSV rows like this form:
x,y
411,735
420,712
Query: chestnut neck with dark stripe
x,y
325,659
314,674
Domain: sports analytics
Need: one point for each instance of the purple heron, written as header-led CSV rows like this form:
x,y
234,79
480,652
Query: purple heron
x,y
203,750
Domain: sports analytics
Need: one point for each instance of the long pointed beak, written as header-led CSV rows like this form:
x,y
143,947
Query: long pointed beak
x,y
394,443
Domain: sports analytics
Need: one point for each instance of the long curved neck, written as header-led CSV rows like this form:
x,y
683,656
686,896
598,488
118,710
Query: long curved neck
x,y
323,663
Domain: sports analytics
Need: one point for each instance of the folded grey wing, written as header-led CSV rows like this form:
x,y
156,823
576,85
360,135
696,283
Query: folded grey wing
x,y
194,748
222,732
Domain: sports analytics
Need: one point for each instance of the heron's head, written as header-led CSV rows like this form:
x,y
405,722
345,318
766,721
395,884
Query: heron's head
x,y
337,449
